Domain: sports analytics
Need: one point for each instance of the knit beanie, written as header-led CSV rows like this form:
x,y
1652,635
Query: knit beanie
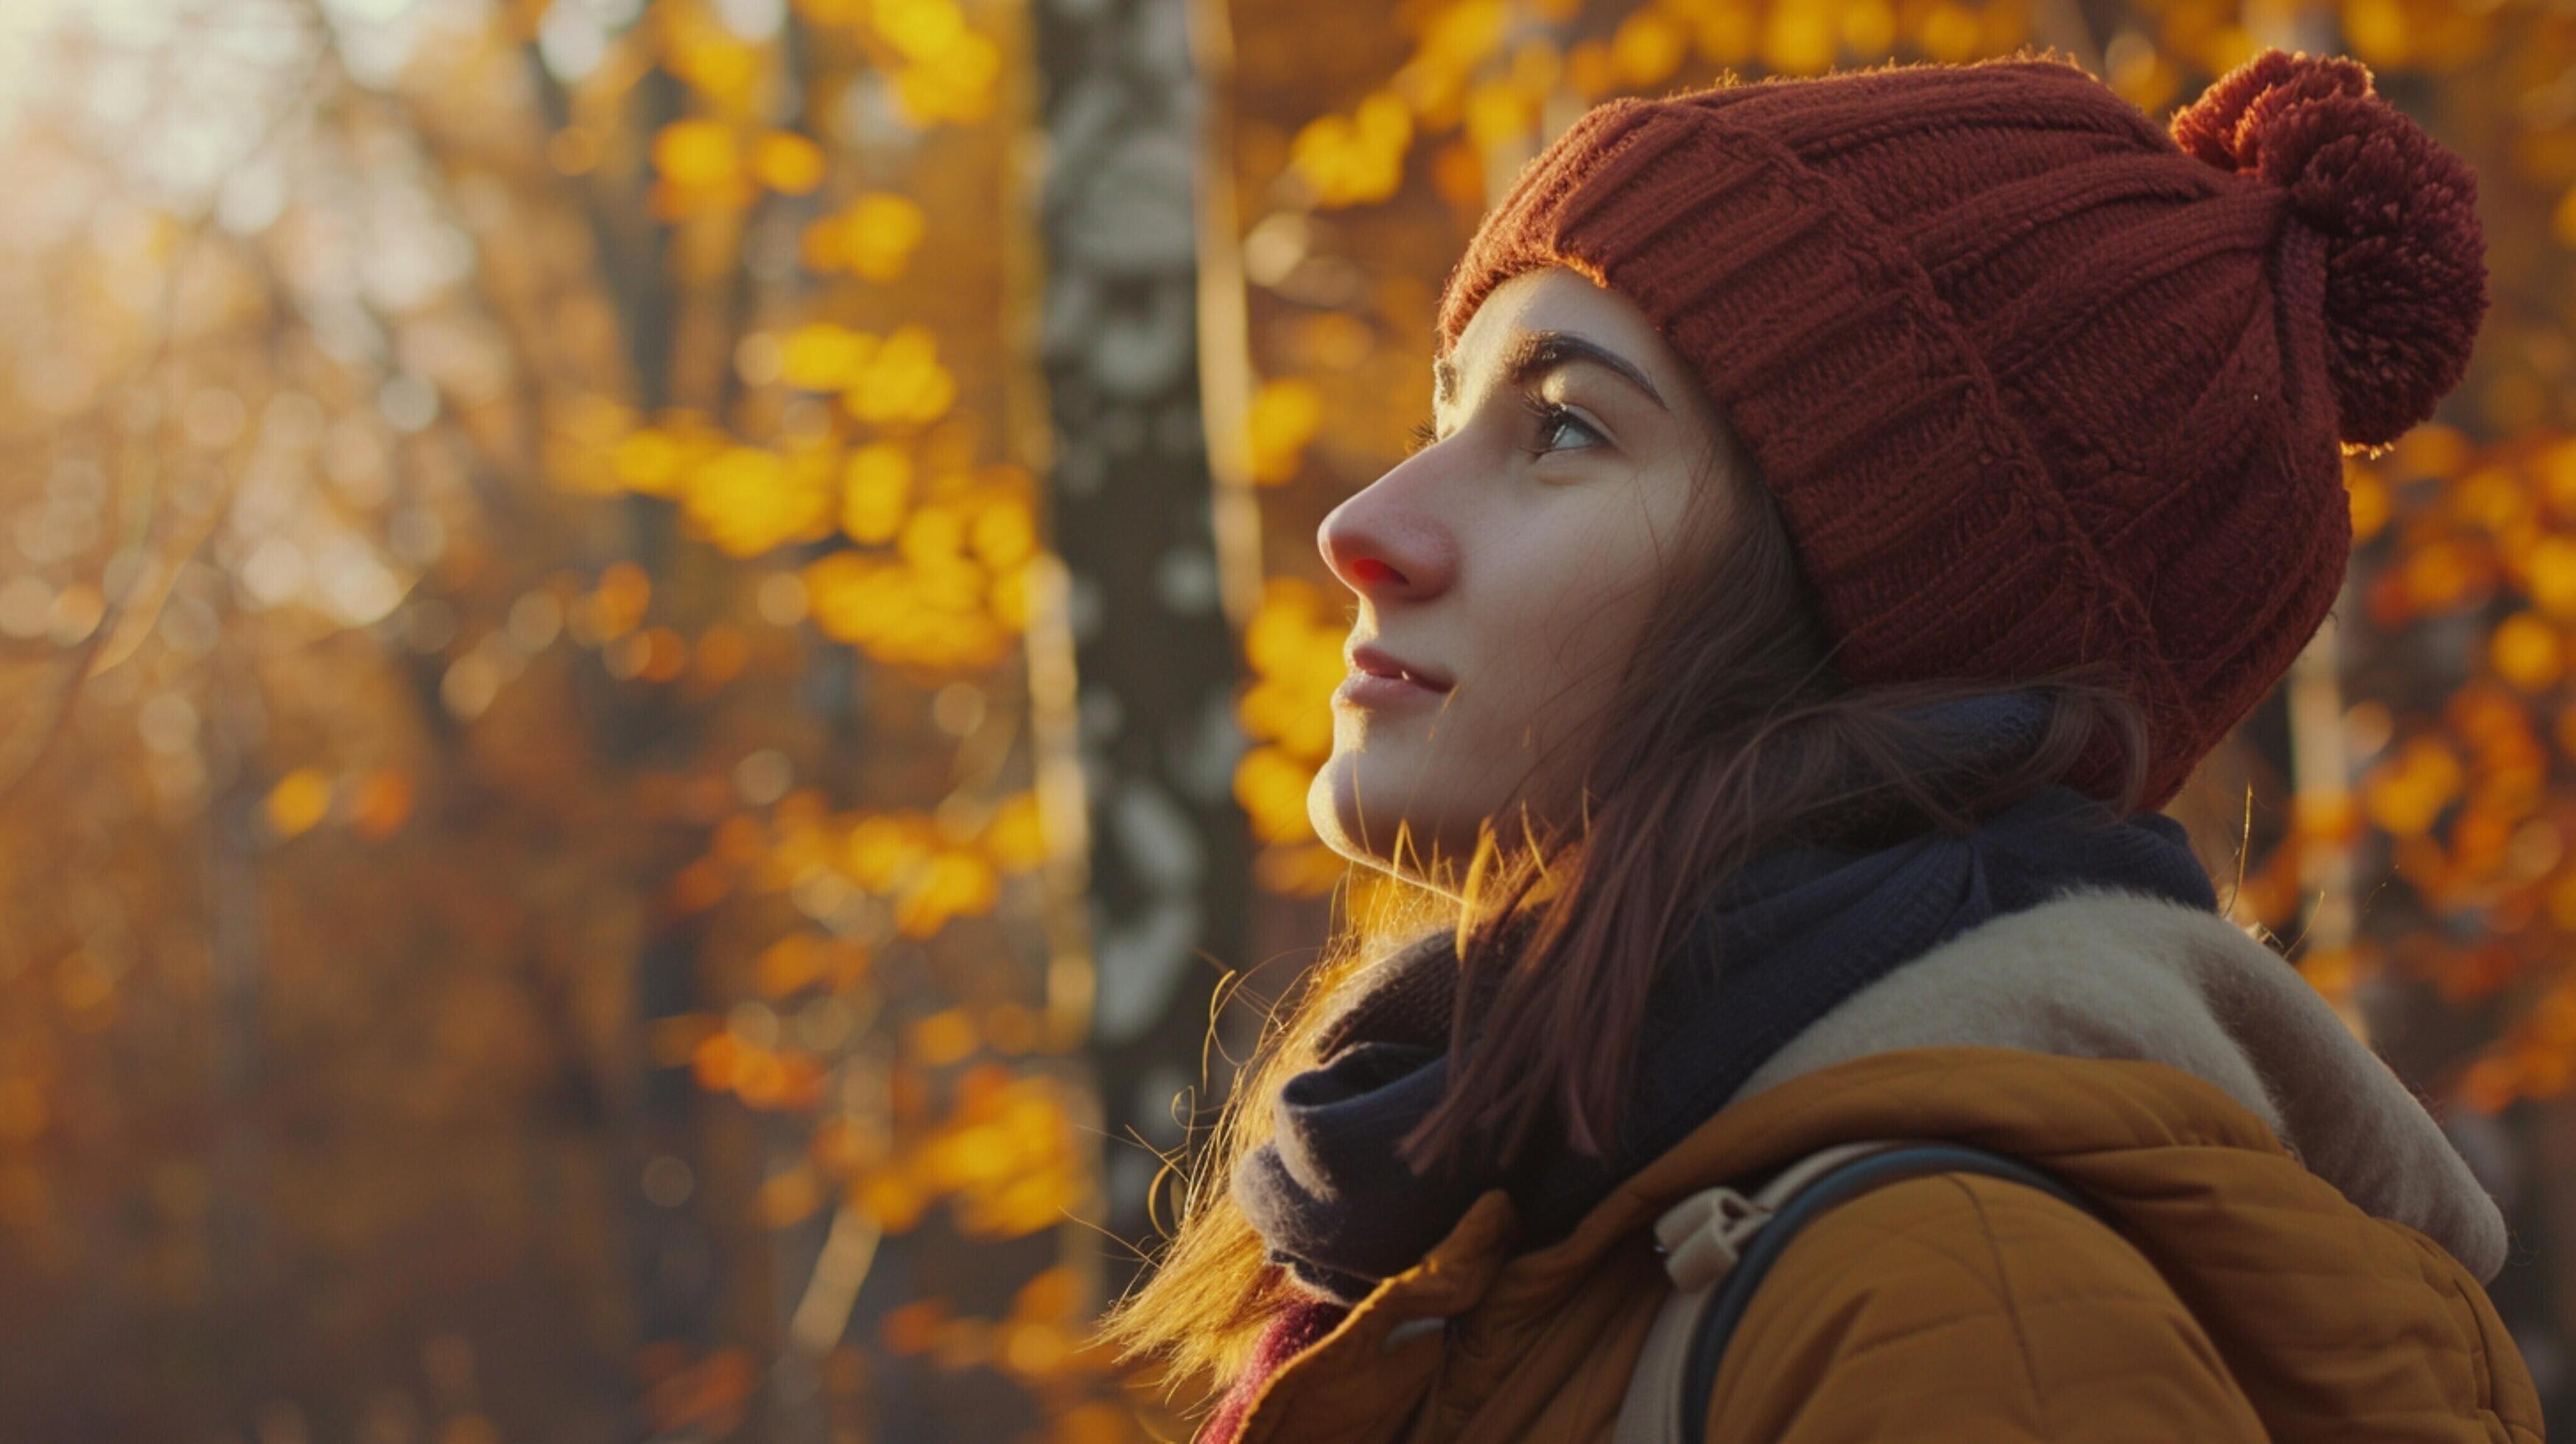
x,y
2035,381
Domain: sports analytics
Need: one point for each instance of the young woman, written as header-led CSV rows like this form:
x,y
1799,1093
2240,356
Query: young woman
x,y
1851,505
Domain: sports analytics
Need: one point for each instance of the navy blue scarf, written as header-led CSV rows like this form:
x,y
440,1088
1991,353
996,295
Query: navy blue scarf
x,y
1774,947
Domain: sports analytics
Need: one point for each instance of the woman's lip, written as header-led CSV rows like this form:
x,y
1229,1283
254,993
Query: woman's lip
x,y
1368,657
1363,689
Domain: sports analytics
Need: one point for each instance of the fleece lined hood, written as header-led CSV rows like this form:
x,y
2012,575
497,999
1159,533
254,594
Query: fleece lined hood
x,y
2105,973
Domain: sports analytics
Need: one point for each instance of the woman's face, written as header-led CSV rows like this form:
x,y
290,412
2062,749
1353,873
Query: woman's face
x,y
1509,565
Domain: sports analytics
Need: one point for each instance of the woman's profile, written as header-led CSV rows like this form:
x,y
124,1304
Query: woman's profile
x,y
1850,508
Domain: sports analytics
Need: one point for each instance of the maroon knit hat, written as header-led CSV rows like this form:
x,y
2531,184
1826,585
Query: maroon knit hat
x,y
2035,381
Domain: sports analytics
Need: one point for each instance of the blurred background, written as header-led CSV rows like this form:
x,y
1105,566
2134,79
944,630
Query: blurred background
x,y
658,661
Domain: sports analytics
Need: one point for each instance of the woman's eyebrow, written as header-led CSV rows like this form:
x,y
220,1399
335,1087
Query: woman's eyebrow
x,y
1535,354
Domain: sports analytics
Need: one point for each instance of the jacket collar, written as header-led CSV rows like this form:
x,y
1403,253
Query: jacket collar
x,y
2209,1037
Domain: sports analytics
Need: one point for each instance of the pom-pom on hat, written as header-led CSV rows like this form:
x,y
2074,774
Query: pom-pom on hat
x,y
2035,380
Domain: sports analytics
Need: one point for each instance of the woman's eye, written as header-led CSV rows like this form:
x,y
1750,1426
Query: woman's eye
x,y
1421,436
1554,421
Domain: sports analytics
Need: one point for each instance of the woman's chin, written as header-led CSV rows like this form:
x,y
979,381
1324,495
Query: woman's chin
x,y
1331,812
1400,840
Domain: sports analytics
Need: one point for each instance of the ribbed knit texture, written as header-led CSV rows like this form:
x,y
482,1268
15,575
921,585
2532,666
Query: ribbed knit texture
x,y
2034,383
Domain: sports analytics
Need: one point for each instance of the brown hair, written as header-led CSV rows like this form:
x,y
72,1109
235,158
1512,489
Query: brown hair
x,y
1728,735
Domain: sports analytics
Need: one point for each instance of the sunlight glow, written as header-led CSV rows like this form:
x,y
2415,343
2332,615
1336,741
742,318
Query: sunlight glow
x,y
22,26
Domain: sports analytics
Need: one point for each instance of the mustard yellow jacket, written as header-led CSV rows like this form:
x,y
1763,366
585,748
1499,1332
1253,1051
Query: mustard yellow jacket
x,y
2298,1253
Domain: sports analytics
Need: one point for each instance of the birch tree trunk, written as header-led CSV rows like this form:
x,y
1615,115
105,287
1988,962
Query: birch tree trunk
x,y
1132,501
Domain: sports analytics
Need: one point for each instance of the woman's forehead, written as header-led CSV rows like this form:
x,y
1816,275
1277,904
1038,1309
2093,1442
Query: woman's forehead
x,y
1554,300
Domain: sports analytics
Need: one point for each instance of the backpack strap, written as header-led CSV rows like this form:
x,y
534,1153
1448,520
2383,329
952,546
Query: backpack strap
x,y
1718,1243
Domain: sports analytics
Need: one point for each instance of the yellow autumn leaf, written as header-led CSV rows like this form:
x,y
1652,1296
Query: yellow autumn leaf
x,y
1271,786
932,535
920,29
2553,474
1799,36
2553,576
878,234
1008,597
648,461
788,964
300,799
1015,838
881,849
889,1197
875,484
2527,652
902,382
1460,35
846,595
695,153
716,65
943,1038
956,884
1950,34
2406,793
820,356
1648,46
787,163
1284,416
1356,159
748,500
2376,31
956,85
1003,534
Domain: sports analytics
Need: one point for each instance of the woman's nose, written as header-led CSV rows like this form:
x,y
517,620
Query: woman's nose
x,y
1386,549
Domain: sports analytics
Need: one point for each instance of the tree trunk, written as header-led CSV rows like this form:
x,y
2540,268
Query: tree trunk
x,y
1132,499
